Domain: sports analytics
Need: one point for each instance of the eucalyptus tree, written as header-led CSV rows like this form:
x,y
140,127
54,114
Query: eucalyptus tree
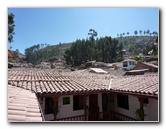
x,y
148,31
140,32
135,32
128,33
92,34
11,27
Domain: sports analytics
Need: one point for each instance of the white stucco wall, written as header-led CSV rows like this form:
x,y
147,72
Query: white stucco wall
x,y
130,66
133,105
151,109
67,110
64,110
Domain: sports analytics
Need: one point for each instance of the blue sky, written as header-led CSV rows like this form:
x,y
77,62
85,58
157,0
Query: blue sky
x,y
55,25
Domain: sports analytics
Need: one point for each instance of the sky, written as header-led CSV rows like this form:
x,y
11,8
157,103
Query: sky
x,y
63,25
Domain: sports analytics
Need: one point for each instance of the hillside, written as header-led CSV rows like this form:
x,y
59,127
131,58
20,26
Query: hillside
x,y
133,45
18,57
137,44
58,50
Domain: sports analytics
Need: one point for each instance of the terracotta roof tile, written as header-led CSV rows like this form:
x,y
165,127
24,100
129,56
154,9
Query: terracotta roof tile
x,y
144,84
10,54
22,104
32,119
16,118
50,81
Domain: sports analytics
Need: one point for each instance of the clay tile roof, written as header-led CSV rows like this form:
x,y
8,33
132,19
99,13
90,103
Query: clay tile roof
x,y
10,55
149,64
98,70
22,105
143,84
50,81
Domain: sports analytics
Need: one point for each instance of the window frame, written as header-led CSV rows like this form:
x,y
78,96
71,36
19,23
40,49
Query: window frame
x,y
123,101
49,105
66,100
78,102
125,64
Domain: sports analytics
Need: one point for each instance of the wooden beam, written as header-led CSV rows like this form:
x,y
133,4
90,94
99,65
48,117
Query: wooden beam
x,y
141,110
153,96
55,107
85,106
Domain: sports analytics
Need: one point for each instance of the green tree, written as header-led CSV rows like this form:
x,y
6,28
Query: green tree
x,y
155,33
148,32
128,33
104,49
68,57
11,26
120,52
140,32
144,32
92,34
32,54
135,32
131,47
16,53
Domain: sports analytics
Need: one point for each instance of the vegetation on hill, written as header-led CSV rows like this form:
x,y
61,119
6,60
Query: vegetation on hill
x,y
44,52
138,44
18,57
105,49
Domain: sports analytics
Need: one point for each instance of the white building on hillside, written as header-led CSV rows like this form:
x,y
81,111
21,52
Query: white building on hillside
x,y
129,64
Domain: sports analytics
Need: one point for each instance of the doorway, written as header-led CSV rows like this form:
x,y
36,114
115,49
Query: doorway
x,y
93,107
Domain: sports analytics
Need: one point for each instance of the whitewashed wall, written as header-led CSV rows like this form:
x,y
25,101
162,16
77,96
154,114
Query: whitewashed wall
x,y
130,66
67,110
151,109
133,105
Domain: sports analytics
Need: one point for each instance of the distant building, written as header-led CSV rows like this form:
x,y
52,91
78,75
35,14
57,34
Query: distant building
x,y
97,70
144,65
115,66
10,54
129,64
89,64
146,58
136,72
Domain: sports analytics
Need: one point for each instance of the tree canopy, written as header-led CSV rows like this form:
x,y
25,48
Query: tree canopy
x,y
104,49
11,26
